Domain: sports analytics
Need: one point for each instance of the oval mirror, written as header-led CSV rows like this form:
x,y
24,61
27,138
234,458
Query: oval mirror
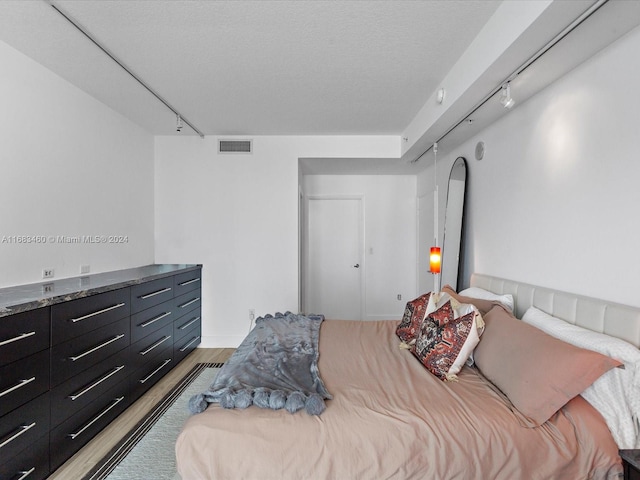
x,y
454,223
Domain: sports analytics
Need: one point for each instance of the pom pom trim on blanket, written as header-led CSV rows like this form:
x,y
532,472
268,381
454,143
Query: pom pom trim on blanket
x,y
261,397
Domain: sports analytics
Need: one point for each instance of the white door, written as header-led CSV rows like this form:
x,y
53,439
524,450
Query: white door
x,y
425,242
334,257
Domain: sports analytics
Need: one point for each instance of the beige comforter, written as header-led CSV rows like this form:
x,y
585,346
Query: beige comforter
x,y
390,418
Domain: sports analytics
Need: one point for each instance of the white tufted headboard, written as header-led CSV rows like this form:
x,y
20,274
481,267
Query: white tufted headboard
x,y
614,319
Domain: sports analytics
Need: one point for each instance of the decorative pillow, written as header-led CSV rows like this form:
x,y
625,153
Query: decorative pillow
x,y
482,305
481,293
538,372
616,394
447,337
414,313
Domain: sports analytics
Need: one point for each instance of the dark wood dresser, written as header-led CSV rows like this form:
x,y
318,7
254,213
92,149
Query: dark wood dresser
x,y
75,353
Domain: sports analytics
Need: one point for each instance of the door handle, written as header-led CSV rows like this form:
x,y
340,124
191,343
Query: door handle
x,y
357,265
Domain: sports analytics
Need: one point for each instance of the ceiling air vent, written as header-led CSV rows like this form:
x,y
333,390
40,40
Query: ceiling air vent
x,y
234,146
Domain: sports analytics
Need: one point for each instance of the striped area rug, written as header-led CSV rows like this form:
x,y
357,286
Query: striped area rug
x,y
147,450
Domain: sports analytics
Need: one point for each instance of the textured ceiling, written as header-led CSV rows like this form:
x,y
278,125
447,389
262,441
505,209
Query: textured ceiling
x,y
254,67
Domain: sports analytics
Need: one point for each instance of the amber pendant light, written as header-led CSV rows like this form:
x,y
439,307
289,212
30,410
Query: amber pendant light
x,y
435,260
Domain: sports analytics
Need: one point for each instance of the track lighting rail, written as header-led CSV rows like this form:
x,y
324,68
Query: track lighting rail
x,y
568,29
125,68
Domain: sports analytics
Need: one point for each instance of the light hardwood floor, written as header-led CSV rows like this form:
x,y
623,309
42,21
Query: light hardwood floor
x,y
87,458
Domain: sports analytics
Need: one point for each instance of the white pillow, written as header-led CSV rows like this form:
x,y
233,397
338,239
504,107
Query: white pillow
x,y
616,394
481,293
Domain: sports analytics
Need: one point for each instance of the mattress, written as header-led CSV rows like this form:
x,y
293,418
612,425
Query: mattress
x,y
391,418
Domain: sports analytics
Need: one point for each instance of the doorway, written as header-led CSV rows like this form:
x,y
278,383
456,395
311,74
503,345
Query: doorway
x,y
424,241
334,268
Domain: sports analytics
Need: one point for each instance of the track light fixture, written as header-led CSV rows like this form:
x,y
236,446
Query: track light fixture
x,y
119,62
505,99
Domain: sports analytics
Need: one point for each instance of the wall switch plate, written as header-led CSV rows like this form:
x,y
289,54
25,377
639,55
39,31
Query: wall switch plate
x,y
47,273
399,296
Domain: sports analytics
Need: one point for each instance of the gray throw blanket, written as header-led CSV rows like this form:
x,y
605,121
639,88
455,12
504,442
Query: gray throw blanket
x,y
275,366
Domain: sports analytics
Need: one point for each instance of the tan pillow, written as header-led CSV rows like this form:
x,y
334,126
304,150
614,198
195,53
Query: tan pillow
x,y
483,306
538,372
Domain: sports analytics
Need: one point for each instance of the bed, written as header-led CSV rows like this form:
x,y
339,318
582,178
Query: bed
x,y
391,418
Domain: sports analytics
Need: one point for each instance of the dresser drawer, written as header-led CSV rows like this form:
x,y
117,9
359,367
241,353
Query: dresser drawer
x,y
187,302
186,344
146,377
151,346
186,323
23,380
88,387
151,293
22,427
151,319
23,334
30,464
185,282
77,317
72,357
74,433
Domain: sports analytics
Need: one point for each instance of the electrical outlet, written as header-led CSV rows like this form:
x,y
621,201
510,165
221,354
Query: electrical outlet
x,y
47,288
47,273
84,269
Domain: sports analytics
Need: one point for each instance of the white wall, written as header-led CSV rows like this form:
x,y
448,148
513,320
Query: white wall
x,y
238,216
390,236
554,201
69,166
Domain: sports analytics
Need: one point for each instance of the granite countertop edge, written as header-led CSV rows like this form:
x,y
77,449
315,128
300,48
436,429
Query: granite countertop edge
x,y
22,298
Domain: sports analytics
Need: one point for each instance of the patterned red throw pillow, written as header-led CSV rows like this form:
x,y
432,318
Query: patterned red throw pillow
x,y
414,313
447,338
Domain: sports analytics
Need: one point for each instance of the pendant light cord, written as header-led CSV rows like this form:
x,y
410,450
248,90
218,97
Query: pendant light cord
x,y
435,194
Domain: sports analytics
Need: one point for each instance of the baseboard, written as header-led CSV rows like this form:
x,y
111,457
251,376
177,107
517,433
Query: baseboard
x,y
221,341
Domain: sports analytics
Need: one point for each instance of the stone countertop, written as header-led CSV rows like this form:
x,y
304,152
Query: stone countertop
x,y
22,298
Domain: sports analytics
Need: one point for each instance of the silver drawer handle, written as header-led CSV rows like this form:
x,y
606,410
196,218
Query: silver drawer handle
x,y
21,384
25,473
187,345
153,320
153,294
189,302
144,380
189,281
100,415
15,339
84,354
96,383
158,343
21,430
84,317
186,325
